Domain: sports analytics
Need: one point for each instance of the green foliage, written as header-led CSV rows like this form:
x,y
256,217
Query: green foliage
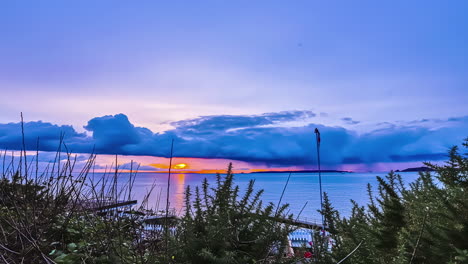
x,y
221,226
425,223
42,220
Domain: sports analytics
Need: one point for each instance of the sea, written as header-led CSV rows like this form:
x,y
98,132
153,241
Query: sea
x,y
301,193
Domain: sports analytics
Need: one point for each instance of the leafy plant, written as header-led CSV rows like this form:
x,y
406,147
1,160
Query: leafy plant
x,y
424,223
222,226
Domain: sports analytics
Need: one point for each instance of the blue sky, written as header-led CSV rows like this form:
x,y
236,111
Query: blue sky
x,y
357,66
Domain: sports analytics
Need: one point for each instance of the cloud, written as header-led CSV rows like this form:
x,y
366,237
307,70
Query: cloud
x,y
48,135
257,138
459,118
113,134
136,167
225,122
350,121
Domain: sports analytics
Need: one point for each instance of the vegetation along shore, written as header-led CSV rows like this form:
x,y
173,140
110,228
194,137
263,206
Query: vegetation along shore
x,y
62,216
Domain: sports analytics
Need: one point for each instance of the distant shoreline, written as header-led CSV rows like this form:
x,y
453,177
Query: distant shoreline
x,y
300,171
416,169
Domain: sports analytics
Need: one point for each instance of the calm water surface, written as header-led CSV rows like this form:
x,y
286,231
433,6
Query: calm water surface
x,y
302,188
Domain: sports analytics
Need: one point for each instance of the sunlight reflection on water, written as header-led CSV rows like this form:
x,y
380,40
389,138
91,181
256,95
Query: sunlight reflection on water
x,y
302,188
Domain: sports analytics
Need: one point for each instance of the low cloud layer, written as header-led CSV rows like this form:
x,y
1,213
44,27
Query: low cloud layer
x,y
349,121
253,138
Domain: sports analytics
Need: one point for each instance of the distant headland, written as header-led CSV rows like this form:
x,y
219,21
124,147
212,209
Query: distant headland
x,y
416,169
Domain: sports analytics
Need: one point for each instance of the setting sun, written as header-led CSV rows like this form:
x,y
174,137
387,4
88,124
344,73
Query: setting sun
x,y
180,166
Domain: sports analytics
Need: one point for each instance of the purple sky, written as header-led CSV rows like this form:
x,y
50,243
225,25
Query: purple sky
x,y
246,80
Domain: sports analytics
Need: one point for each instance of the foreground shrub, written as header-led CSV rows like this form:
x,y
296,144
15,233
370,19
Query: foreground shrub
x,y
53,217
425,222
221,226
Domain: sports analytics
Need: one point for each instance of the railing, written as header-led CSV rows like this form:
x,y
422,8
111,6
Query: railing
x,y
105,204
309,221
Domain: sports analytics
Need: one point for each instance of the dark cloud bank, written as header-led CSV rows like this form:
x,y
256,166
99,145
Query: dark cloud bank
x,y
256,138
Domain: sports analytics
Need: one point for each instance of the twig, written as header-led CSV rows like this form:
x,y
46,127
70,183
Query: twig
x,y
276,211
167,198
300,212
24,148
419,237
347,256
282,194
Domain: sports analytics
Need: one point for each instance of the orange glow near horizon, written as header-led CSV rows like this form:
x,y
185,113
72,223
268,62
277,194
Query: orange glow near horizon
x,y
181,166
149,164
186,165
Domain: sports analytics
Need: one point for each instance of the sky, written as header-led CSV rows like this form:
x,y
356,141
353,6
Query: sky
x,y
242,81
